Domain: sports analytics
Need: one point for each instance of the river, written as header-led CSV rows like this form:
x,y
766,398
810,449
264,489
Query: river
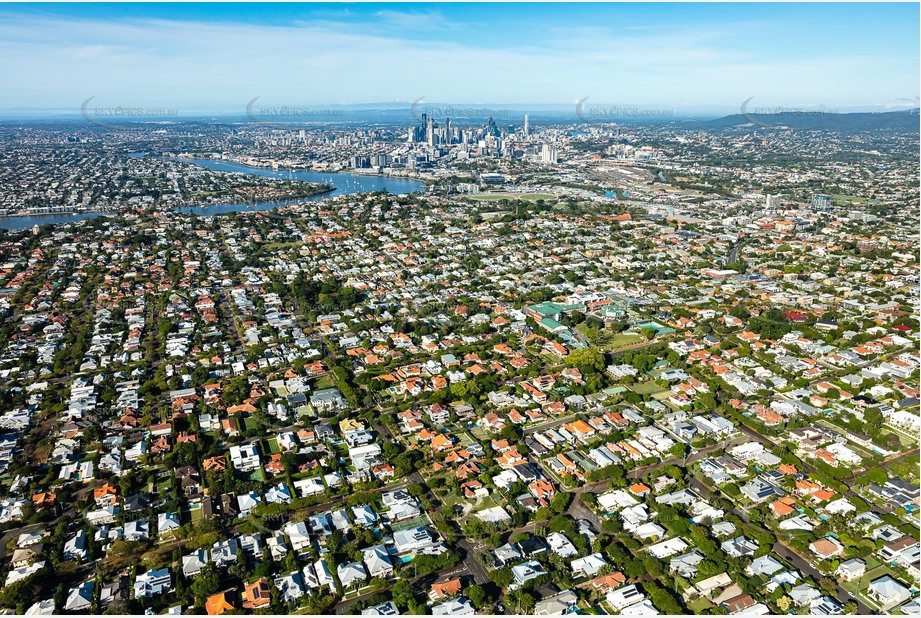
x,y
22,222
345,183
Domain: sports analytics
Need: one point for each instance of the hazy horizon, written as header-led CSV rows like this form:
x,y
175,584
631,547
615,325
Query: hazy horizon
x,y
690,60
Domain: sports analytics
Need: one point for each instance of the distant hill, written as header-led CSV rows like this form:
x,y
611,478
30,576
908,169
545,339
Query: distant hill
x,y
905,120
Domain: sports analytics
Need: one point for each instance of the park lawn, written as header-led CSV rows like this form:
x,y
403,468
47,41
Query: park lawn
x,y
903,440
409,524
464,438
841,199
647,388
270,446
250,424
531,197
448,500
341,449
486,503
607,341
479,434
191,514
699,605
275,246
325,381
257,475
585,608
625,339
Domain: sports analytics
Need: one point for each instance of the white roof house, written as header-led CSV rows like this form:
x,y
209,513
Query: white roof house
x,y
192,564
616,500
79,598
152,583
324,576
278,494
377,561
138,530
247,502
75,548
561,546
556,605
351,573
667,548
623,597
364,516
803,594
384,609
290,586
167,523
454,607
298,534
763,565
244,457
41,608
526,571
587,566
224,553
851,569
887,591
310,486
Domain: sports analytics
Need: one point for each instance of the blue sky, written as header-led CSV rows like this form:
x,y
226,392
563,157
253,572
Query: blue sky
x,y
685,57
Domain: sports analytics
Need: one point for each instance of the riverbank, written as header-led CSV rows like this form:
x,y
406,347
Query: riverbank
x,y
310,170
341,183
23,222
60,213
346,183
318,191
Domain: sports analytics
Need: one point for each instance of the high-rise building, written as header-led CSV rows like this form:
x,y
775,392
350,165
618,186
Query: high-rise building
x,y
527,127
491,128
548,153
430,132
821,202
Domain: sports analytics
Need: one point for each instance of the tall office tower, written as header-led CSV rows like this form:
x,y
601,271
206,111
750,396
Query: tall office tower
x,y
430,132
447,137
527,128
491,128
548,153
821,202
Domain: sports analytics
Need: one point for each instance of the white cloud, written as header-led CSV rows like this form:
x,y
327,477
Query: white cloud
x,y
50,62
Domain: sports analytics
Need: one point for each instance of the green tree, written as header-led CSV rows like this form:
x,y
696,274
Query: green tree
x,y
477,596
586,359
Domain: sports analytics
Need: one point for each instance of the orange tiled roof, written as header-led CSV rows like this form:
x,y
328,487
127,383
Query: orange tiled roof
x,y
217,604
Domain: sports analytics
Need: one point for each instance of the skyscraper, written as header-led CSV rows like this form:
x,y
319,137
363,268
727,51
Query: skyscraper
x,y
821,202
527,128
430,132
